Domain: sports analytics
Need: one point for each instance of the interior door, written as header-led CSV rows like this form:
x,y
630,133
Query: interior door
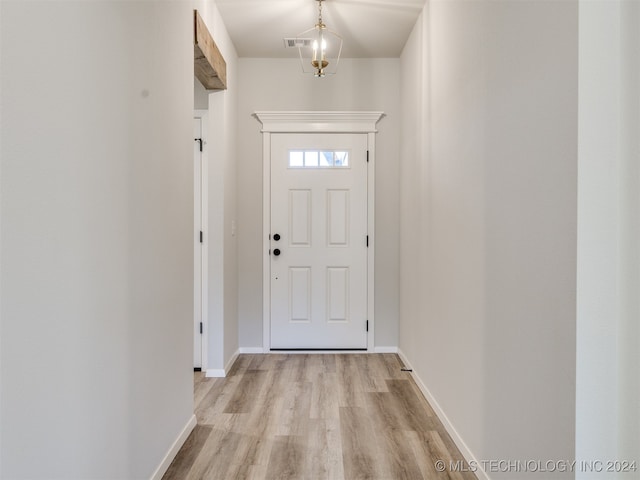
x,y
197,244
318,241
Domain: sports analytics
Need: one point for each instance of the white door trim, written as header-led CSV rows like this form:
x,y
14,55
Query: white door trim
x,y
204,298
316,122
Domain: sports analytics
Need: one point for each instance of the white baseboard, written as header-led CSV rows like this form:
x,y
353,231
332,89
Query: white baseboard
x,y
231,361
221,373
251,350
453,433
385,350
259,350
173,451
317,352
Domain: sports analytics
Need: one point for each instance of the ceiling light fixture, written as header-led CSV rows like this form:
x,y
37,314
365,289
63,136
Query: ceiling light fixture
x,y
322,55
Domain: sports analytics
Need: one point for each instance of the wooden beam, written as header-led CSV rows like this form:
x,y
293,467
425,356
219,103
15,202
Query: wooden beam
x,y
209,65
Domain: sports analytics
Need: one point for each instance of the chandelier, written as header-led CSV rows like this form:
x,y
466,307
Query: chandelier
x,y
319,48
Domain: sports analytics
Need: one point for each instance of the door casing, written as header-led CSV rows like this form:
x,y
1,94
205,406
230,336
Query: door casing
x,y
317,122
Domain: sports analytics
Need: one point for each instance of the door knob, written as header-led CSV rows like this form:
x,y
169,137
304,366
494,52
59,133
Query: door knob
x,y
276,252
276,237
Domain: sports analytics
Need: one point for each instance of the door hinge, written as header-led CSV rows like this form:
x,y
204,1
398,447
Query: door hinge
x,y
367,325
367,241
201,236
198,140
367,156
200,328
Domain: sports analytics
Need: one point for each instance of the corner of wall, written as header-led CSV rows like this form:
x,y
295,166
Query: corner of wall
x,y
174,449
222,372
465,451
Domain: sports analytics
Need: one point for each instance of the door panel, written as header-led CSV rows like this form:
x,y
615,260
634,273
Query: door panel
x,y
338,218
319,255
338,294
300,294
300,218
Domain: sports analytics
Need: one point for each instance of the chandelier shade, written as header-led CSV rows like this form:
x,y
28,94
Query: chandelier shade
x,y
319,48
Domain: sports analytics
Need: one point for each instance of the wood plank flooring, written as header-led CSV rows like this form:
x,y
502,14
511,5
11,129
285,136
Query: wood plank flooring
x,y
314,417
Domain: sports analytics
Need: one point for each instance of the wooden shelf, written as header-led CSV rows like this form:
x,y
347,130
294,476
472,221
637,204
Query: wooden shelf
x,y
209,65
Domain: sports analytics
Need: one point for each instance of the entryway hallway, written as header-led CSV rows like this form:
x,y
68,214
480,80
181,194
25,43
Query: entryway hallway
x,y
312,417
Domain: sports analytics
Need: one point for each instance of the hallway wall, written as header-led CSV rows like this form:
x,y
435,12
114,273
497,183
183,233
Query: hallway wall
x,y
96,242
608,334
278,84
222,327
488,223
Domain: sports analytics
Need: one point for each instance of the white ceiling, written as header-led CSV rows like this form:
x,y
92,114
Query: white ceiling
x,y
370,28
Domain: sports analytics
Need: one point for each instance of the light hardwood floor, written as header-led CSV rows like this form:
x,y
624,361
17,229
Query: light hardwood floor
x,y
314,417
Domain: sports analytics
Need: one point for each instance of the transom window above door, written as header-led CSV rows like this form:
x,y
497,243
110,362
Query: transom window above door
x,y
318,159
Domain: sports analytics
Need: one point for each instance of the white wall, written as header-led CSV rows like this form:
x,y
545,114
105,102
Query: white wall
x,y
608,336
1,256
629,354
96,246
278,84
200,96
222,332
488,223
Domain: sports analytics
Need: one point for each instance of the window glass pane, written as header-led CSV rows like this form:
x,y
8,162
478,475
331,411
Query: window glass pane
x,y
295,159
318,159
311,159
341,159
326,159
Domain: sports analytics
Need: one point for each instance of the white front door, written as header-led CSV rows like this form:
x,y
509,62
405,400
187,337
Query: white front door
x,y
318,267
